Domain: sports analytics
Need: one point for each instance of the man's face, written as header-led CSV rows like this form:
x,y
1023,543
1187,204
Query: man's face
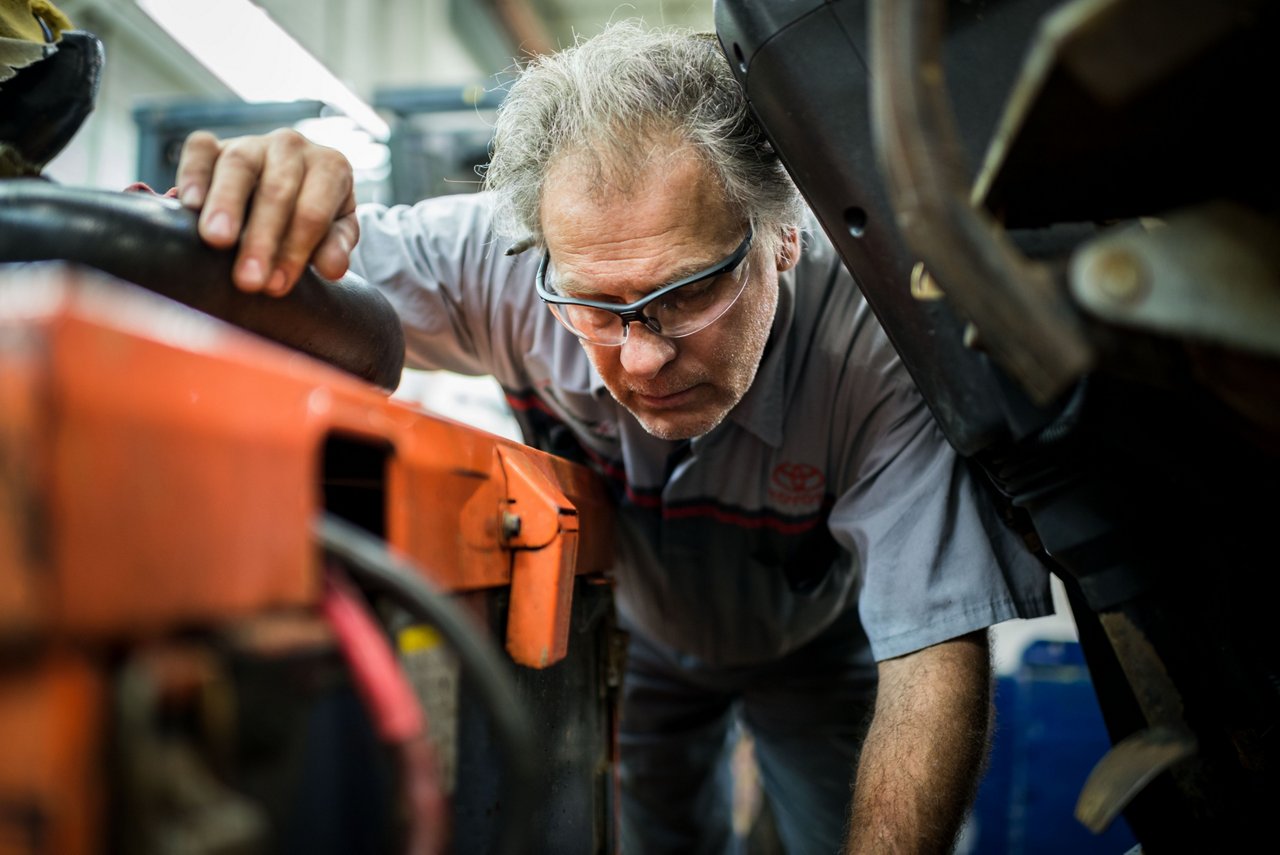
x,y
624,247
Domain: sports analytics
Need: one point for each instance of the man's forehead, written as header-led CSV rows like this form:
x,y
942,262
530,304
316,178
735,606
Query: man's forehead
x,y
655,175
645,228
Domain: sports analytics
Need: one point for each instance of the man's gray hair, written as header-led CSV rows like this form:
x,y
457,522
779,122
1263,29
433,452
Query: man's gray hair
x,y
608,99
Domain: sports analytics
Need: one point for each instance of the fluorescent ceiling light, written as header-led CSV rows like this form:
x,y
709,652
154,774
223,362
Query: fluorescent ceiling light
x,y
255,58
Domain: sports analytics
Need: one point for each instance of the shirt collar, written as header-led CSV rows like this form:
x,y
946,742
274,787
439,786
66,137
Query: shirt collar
x,y
761,410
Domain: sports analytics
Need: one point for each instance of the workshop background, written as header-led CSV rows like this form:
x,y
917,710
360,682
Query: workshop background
x,y
419,80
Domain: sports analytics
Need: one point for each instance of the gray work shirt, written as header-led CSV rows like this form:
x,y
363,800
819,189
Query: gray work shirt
x,y
828,494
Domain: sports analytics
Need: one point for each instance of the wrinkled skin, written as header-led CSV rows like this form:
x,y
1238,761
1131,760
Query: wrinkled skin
x,y
288,202
623,245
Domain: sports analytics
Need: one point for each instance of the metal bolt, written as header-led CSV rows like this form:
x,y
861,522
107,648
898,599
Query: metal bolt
x,y
924,286
972,339
510,525
1117,276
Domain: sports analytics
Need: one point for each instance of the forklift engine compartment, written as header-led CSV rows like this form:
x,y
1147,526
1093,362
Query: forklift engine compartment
x,y
181,504
248,603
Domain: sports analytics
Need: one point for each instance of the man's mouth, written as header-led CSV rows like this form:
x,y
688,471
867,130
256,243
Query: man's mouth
x,y
670,401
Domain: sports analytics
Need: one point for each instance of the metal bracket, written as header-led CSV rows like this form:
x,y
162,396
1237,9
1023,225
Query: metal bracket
x,y
539,525
1209,273
1123,772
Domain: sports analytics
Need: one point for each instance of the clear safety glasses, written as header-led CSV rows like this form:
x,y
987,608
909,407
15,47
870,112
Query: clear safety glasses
x,y
673,311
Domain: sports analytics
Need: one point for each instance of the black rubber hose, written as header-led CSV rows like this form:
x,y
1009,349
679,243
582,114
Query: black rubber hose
x,y
152,241
377,571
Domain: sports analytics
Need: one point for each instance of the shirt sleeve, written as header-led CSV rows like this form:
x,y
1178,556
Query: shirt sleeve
x,y
459,297
936,559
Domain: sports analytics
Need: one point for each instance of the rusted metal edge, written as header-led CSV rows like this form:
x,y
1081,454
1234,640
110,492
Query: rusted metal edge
x,y
1027,326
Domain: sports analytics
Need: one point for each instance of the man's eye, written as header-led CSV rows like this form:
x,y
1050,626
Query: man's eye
x,y
590,320
691,296
698,289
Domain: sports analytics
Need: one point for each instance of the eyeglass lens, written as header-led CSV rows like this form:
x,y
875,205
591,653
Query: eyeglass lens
x,y
681,312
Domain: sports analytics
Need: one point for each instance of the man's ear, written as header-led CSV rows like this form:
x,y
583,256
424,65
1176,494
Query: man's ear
x,y
788,249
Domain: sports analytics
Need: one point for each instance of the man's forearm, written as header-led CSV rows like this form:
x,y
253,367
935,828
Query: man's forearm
x,y
925,749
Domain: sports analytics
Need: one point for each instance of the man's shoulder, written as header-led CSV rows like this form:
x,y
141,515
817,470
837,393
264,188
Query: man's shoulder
x,y
830,309
841,356
457,228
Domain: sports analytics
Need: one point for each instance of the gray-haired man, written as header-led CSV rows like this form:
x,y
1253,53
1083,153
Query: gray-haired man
x,y
799,545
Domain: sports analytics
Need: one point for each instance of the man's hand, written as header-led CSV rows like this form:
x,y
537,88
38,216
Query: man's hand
x,y
299,198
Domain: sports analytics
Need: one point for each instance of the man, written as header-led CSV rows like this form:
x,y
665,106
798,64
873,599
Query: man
x,y
798,543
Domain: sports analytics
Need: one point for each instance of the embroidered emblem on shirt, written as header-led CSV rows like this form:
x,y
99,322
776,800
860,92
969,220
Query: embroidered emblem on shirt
x,y
796,485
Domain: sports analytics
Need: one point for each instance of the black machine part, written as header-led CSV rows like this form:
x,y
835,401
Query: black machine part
x,y
152,241
806,68
1147,483
374,568
44,105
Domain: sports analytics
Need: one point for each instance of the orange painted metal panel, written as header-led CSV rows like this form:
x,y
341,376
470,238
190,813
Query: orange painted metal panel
x,y
586,494
22,522
52,715
544,537
173,464
446,515
179,484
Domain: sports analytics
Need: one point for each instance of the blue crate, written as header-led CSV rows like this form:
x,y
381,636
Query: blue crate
x,y
1049,735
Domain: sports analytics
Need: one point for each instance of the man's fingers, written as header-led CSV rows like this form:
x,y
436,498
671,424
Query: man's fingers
x,y
274,201
299,198
333,258
230,189
326,196
195,168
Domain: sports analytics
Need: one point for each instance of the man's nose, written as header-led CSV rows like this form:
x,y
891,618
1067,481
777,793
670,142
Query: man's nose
x,y
644,353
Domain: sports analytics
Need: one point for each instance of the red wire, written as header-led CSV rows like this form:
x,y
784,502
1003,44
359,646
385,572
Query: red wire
x,y
393,705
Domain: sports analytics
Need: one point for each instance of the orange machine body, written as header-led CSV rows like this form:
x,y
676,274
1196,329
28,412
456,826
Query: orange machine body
x,y
162,470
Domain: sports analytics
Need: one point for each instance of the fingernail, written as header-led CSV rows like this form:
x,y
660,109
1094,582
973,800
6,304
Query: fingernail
x,y
219,228
191,196
251,272
277,283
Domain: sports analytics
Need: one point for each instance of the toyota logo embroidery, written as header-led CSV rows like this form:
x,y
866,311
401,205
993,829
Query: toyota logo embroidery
x,y
796,484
